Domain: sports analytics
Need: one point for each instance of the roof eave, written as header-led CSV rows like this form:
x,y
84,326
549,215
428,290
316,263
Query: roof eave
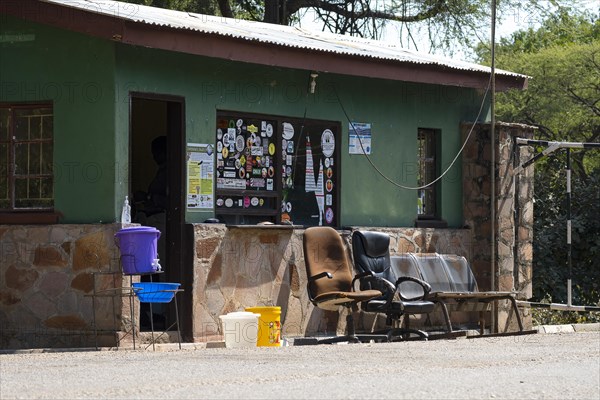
x,y
113,27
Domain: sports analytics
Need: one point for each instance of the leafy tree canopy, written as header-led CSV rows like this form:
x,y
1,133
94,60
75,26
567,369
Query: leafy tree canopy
x,y
447,24
562,58
563,101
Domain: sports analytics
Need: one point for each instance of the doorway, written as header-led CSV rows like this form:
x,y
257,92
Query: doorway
x,y
156,174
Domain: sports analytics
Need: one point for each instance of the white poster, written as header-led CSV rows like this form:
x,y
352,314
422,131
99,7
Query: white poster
x,y
200,176
359,138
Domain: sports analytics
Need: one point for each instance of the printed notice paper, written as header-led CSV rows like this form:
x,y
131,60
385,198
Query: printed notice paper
x,y
200,176
359,138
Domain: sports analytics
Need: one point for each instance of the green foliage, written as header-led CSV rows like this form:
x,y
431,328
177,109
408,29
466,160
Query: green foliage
x,y
544,316
560,30
196,6
448,24
550,268
562,100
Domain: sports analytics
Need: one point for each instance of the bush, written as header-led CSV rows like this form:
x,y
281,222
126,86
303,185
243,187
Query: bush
x,y
545,316
550,268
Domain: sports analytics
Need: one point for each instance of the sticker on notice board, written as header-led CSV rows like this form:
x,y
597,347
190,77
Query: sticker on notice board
x,y
329,215
240,143
229,137
327,143
228,183
288,131
257,183
256,150
328,200
329,185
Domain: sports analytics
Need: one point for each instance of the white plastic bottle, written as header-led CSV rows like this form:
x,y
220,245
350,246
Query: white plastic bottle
x,y
126,213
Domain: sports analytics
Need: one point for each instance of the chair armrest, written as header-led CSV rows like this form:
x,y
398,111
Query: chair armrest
x,y
319,276
424,285
361,276
386,287
313,278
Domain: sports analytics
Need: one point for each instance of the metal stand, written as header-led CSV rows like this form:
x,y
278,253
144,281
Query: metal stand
x,y
176,323
117,291
130,292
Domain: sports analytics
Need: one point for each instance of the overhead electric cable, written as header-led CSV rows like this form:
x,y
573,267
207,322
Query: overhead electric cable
x,y
384,176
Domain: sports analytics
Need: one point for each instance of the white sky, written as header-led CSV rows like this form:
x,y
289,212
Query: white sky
x,y
511,22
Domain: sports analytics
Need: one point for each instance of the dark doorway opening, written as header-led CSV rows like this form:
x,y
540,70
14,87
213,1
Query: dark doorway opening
x,y
156,173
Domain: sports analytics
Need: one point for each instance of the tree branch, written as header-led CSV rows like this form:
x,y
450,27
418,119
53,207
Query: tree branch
x,y
225,8
341,9
591,104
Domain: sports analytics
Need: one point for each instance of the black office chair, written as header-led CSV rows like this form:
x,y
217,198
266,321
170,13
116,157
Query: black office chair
x,y
330,283
372,260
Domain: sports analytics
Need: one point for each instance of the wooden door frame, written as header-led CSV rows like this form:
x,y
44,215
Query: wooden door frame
x,y
175,270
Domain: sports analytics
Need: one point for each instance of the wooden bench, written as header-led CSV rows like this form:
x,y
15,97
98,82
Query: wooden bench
x,y
453,285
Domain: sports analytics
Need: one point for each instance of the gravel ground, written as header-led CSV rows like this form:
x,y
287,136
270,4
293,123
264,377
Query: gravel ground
x,y
543,366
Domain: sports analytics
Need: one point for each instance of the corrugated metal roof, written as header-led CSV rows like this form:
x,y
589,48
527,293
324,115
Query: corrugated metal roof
x,y
279,35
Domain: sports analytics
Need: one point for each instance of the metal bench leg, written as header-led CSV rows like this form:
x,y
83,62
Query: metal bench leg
x,y
481,323
177,319
152,326
517,315
446,315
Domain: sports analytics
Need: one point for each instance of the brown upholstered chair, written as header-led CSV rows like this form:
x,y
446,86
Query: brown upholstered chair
x,y
330,283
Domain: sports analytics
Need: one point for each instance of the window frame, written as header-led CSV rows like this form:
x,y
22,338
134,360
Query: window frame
x,y
25,215
432,138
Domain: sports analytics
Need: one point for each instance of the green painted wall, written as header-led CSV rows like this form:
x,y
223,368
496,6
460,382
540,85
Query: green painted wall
x,y
395,109
75,73
97,132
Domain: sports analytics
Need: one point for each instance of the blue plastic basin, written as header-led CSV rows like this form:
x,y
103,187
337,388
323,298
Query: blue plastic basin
x,y
155,292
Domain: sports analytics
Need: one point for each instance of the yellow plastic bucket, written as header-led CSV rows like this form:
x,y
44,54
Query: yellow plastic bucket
x,y
269,326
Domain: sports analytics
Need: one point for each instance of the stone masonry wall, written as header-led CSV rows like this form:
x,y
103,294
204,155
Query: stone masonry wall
x,y
514,215
242,267
48,273
46,276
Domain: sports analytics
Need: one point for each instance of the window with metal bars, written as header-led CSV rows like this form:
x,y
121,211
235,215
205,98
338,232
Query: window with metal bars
x,y
26,164
427,173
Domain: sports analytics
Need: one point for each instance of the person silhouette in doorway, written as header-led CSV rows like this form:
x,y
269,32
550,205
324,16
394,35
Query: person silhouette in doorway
x,y
157,190
152,211
154,201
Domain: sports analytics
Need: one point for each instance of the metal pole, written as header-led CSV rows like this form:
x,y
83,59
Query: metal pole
x,y
493,163
569,261
131,309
